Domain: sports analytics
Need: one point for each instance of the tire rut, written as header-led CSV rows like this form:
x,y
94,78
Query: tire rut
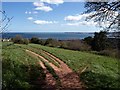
x,y
68,78
49,79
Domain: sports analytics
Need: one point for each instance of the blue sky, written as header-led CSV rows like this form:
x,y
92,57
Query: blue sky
x,y
48,17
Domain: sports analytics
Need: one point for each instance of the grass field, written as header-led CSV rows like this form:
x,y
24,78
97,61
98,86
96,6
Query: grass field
x,y
19,69
102,71
94,70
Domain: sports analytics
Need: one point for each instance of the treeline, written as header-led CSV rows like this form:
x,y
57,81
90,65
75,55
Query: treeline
x,y
103,45
79,45
99,44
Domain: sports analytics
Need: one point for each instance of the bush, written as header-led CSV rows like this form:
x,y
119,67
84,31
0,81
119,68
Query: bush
x,y
99,42
63,44
37,40
75,45
107,52
112,53
88,40
34,40
26,41
20,40
17,39
52,43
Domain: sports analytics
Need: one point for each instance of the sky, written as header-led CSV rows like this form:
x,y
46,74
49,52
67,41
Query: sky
x,y
48,16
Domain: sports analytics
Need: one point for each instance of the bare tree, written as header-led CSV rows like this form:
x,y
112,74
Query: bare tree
x,y
105,12
4,21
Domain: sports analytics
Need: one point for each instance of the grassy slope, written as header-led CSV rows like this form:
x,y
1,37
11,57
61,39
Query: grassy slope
x,y
102,71
19,69
39,52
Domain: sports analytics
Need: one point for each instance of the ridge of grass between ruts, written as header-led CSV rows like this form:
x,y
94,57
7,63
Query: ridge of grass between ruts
x,y
39,51
50,69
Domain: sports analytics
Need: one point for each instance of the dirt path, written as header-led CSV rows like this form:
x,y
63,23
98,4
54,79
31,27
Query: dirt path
x,y
68,78
49,79
52,65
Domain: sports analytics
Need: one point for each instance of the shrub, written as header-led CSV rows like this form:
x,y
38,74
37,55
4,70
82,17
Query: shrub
x,y
20,40
17,39
75,45
34,40
88,40
63,44
37,40
112,53
26,41
48,41
42,41
107,52
52,42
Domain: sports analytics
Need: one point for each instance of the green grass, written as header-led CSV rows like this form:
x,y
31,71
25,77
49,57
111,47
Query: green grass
x,y
51,70
102,71
40,52
19,69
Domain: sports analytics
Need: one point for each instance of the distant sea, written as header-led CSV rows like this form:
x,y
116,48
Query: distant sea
x,y
58,36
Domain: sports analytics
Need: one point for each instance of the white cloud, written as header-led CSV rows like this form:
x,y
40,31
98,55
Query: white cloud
x,y
42,22
41,6
91,23
28,12
53,1
44,8
30,18
38,4
77,17
72,24
104,24
72,18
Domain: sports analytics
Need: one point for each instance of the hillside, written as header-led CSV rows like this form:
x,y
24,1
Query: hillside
x,y
94,71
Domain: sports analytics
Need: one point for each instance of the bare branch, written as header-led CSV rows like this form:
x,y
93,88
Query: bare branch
x,y
103,12
4,22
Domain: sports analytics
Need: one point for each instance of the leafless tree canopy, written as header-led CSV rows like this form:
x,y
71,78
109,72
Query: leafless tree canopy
x,y
4,21
106,12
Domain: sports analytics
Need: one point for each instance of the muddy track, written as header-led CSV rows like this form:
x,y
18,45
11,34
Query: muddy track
x,y
68,78
49,79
